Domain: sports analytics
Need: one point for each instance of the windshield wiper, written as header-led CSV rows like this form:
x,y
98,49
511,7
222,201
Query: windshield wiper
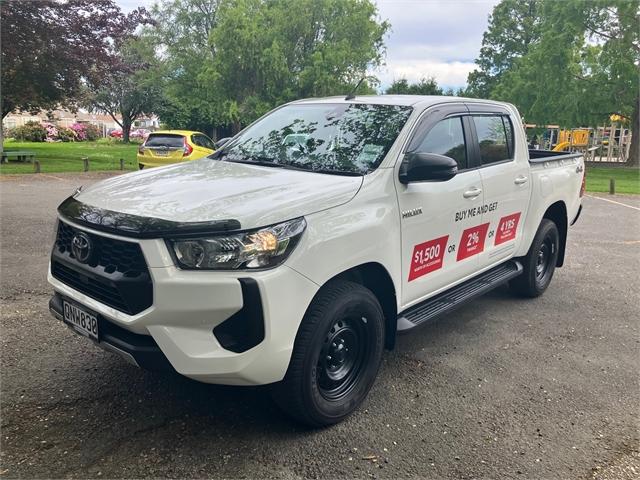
x,y
261,161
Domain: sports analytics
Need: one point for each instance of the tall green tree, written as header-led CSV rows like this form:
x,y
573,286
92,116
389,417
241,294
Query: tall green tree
x,y
583,68
514,26
229,61
269,52
181,34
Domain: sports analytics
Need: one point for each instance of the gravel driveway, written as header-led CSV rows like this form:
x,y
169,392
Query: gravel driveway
x,y
508,388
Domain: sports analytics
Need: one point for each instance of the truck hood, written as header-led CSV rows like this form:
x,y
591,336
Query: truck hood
x,y
212,190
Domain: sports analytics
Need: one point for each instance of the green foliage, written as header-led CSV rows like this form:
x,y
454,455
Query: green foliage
x,y
426,86
228,62
579,65
514,26
92,132
65,134
29,132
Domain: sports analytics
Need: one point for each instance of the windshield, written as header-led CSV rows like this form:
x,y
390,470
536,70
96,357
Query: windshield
x,y
330,138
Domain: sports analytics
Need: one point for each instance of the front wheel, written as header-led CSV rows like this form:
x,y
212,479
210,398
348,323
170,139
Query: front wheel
x,y
336,355
540,262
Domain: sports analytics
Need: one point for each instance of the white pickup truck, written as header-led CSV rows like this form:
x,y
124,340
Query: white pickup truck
x,y
294,254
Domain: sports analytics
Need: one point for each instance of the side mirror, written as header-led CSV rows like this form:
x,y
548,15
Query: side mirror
x,y
422,167
222,141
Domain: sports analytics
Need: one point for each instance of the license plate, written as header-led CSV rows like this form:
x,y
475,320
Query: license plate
x,y
161,153
83,322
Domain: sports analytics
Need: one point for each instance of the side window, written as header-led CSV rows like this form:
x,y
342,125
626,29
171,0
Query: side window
x,y
494,137
196,140
446,138
207,142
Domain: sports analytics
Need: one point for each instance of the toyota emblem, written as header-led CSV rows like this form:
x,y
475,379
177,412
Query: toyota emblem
x,y
81,247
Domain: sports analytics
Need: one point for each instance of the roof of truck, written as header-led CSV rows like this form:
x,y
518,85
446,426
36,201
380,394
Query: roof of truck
x,y
405,100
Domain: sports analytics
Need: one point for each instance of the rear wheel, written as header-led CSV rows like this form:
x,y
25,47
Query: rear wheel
x,y
336,355
140,166
540,262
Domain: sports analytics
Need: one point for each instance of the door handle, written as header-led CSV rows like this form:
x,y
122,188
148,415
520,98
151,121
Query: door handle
x,y
521,180
473,193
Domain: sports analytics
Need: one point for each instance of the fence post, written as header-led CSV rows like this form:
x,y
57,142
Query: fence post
x,y
86,163
122,164
36,166
612,186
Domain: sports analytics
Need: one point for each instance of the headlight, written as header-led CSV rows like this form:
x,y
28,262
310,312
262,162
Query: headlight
x,y
262,248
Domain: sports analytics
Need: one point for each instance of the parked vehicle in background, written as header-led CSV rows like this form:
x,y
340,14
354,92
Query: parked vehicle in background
x,y
116,133
294,254
173,146
142,133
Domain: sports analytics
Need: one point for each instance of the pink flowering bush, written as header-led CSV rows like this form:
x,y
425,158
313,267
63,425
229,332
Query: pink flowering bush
x,y
79,131
52,132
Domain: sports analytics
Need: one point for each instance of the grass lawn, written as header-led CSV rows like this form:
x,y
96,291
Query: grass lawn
x,y
67,156
627,179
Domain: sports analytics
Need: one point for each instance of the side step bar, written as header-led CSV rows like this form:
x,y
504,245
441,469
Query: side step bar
x,y
447,301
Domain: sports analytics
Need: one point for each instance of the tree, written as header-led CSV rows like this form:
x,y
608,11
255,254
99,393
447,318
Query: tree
x,y
426,86
259,54
583,67
311,48
514,26
180,31
49,46
130,90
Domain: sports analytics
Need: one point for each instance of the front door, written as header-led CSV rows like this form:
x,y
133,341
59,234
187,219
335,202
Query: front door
x,y
441,221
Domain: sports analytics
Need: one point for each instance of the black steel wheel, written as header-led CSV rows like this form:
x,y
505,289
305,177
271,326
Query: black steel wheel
x,y
336,355
540,262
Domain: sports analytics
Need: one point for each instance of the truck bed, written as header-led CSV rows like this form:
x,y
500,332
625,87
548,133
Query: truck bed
x,y
538,156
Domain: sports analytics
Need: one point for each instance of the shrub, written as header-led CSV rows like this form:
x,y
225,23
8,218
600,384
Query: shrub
x,y
66,134
29,132
52,132
92,132
79,131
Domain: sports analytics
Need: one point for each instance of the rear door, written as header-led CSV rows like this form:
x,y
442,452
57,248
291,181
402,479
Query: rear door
x,y
504,169
441,221
163,148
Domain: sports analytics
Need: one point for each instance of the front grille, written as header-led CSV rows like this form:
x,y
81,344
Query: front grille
x,y
113,255
115,275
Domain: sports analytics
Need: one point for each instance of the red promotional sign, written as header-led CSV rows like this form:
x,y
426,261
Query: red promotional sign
x,y
472,241
427,257
507,228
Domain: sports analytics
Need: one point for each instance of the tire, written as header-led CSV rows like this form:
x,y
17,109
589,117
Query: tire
x,y
539,263
140,166
325,381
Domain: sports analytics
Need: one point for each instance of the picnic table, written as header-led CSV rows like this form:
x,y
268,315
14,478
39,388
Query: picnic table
x,y
20,156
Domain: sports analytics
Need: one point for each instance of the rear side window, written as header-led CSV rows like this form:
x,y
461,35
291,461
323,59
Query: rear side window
x,y
495,137
202,141
165,140
446,138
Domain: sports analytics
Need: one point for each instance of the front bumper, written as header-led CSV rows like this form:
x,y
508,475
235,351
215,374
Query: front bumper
x,y
188,306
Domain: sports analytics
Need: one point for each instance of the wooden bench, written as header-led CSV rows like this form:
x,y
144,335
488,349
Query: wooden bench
x,y
20,156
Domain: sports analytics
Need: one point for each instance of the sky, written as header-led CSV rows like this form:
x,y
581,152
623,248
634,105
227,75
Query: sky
x,y
428,38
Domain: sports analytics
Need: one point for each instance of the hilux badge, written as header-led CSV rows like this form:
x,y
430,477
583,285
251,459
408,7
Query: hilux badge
x,y
81,247
412,213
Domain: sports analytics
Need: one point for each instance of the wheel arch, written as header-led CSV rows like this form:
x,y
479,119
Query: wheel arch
x,y
376,278
557,213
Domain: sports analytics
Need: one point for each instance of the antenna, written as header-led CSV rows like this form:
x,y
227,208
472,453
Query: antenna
x,y
352,93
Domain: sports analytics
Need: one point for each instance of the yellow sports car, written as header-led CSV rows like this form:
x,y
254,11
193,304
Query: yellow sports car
x,y
172,146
